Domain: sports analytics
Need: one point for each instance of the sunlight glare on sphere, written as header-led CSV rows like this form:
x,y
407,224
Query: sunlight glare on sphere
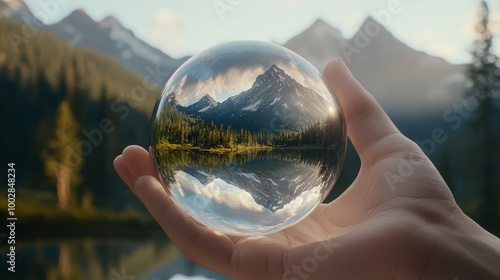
x,y
248,138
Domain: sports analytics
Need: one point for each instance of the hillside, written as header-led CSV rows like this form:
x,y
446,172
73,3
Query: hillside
x,y
36,74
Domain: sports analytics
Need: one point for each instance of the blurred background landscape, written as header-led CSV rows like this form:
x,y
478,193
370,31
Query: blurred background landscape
x,y
79,79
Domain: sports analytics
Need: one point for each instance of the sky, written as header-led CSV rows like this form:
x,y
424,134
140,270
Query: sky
x,y
443,28
224,74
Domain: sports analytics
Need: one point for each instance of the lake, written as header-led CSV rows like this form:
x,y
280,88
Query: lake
x,y
95,259
272,179
251,192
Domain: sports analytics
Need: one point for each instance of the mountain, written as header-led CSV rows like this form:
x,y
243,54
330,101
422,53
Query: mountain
x,y
318,43
405,81
267,181
110,37
207,102
413,82
17,10
275,101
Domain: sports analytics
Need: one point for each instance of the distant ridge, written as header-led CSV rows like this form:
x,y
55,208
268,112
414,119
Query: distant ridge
x,y
405,81
273,93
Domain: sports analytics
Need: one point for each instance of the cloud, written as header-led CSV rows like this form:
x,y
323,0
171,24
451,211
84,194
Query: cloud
x,y
226,206
229,69
220,85
165,31
218,192
438,42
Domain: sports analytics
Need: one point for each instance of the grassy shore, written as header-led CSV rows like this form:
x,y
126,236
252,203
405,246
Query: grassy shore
x,y
39,217
188,147
235,149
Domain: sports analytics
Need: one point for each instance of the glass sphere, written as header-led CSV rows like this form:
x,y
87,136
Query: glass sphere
x,y
248,138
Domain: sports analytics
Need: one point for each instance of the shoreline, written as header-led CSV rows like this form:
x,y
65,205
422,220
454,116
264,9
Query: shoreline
x,y
179,147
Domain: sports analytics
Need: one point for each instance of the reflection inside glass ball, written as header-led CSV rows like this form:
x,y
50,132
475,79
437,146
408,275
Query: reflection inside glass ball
x,y
248,138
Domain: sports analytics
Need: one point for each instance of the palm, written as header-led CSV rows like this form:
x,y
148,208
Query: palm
x,y
370,195
351,222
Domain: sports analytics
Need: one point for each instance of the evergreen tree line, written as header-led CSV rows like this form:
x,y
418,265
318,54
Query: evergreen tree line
x,y
48,86
170,160
484,74
174,127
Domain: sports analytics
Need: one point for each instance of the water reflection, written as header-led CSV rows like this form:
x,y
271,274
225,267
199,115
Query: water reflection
x,y
252,192
238,119
88,258
64,260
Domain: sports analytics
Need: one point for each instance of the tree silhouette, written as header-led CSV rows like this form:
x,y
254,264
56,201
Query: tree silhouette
x,y
483,74
61,159
36,77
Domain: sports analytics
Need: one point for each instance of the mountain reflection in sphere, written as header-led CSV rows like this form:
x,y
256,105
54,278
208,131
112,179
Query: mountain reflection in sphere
x,y
248,138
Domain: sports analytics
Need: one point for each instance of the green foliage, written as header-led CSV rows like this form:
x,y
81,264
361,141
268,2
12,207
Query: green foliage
x,y
37,73
64,142
184,131
484,75
170,160
37,212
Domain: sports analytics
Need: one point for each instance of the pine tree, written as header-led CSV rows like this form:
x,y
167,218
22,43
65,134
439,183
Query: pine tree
x,y
61,159
484,77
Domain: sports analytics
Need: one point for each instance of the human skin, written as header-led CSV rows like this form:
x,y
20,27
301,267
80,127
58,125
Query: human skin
x,y
410,228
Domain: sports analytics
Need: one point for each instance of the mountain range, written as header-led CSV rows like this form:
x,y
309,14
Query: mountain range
x,y
269,181
275,102
405,81
108,36
415,88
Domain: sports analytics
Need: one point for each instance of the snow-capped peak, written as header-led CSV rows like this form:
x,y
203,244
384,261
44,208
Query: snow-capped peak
x,y
273,75
208,99
275,70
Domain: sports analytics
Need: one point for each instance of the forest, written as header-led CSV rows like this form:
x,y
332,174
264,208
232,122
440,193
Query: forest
x,y
176,129
178,159
54,97
60,102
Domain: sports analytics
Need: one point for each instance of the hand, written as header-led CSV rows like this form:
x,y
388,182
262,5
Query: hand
x,y
398,219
